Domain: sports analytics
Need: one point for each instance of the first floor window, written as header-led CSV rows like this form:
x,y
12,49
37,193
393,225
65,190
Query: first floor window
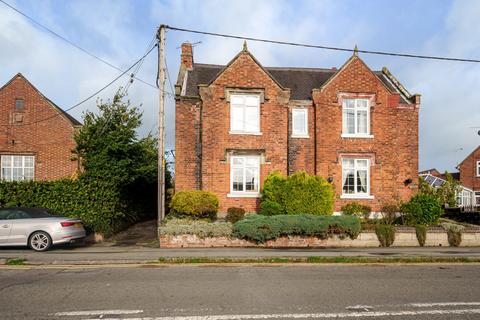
x,y
356,117
299,122
245,114
17,168
355,176
245,174
478,168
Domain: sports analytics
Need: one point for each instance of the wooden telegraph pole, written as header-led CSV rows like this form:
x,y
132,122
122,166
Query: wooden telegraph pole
x,y
161,127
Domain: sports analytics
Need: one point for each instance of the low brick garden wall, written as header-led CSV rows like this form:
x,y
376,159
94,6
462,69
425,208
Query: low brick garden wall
x,y
404,237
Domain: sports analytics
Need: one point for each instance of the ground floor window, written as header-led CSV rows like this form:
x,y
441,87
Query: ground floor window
x,y
244,175
355,177
17,168
477,198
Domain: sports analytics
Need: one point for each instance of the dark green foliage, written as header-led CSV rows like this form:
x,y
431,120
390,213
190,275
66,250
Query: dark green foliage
x,y
261,228
196,204
385,234
421,232
422,209
97,203
270,208
299,193
356,209
446,194
235,214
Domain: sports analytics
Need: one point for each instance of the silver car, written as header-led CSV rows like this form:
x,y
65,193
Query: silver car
x,y
37,228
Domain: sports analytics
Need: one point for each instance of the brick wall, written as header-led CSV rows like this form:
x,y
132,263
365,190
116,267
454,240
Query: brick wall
x,y
50,141
468,171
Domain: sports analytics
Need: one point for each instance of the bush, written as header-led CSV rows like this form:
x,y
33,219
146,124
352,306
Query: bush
x,y
195,204
422,209
202,229
390,213
299,193
356,209
421,232
235,214
262,228
454,233
385,234
98,203
270,208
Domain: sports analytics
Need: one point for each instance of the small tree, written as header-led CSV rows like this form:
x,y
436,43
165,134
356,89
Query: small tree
x,y
446,194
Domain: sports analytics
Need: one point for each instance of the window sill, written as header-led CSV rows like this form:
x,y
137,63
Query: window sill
x,y
243,195
246,133
357,136
300,136
357,196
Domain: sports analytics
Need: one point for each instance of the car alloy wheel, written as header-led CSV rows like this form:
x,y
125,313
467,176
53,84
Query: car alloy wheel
x,y
40,241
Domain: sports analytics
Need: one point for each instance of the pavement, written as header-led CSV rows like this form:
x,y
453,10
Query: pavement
x,y
189,292
109,253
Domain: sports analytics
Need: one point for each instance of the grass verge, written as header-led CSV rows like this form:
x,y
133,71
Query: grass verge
x,y
15,262
319,260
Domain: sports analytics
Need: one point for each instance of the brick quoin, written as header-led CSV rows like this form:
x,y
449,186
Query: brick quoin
x,y
50,141
203,124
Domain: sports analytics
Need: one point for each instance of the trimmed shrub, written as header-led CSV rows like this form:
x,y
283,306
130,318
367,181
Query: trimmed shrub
x,y
299,193
385,234
195,204
235,214
261,228
422,209
202,229
270,208
454,233
356,209
421,232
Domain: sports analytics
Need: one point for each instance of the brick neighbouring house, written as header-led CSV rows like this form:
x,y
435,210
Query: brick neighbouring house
x,y
470,173
36,136
234,126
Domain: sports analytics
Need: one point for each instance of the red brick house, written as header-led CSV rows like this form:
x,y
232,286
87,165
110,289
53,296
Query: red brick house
x,y
236,123
36,136
470,173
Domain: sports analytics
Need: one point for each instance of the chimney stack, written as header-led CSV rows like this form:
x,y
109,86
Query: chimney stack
x,y
187,55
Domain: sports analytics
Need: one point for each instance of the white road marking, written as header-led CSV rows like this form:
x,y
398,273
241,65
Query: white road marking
x,y
96,313
359,308
371,314
442,304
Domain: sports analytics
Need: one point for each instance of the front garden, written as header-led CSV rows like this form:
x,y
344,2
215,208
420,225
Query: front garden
x,y
297,211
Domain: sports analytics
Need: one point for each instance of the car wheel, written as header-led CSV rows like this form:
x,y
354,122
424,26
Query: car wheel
x,y
40,241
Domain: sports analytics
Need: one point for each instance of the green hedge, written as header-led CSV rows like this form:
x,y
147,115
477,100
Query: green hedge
x,y
202,229
262,228
299,193
96,202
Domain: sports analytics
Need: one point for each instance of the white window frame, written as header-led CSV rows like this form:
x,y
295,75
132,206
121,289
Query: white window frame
x,y
244,106
356,108
244,193
356,167
3,161
478,168
476,198
298,134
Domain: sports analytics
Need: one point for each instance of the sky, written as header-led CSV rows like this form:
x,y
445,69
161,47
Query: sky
x,y
120,31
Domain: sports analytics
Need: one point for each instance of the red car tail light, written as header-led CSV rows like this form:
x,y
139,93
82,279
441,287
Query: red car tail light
x,y
67,223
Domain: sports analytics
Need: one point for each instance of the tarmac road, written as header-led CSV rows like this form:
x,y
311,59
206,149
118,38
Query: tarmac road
x,y
186,292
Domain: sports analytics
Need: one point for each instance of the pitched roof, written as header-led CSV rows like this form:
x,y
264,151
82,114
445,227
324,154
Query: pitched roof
x,y
301,81
474,150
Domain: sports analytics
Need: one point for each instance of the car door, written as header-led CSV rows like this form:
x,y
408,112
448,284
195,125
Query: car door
x,y
5,225
22,222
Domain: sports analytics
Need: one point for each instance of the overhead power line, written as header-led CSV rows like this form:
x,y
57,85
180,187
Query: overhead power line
x,y
383,53
70,42
93,94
